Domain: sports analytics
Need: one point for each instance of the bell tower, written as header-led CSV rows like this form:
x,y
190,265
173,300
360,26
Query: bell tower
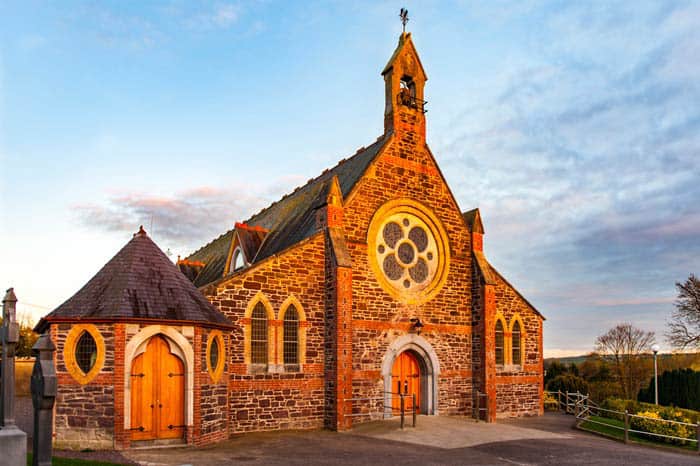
x,y
404,79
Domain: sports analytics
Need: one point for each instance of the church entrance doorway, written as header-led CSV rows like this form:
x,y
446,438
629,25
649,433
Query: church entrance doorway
x,y
157,393
406,380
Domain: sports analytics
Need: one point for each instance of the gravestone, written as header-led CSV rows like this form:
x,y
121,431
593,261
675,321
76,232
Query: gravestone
x,y
13,442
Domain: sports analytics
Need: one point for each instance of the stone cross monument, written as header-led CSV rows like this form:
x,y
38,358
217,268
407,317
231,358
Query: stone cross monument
x,y
43,397
13,442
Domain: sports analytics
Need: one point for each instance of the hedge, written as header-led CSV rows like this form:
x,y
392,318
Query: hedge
x,y
679,387
636,407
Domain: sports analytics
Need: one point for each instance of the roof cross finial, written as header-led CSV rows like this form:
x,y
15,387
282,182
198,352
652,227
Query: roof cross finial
x,y
403,14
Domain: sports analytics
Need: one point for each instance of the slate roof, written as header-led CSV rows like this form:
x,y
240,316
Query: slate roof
x,y
289,220
139,282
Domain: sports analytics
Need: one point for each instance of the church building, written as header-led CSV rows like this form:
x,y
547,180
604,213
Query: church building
x,y
364,290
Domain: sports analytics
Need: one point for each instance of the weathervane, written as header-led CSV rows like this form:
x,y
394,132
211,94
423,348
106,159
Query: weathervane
x,y
403,14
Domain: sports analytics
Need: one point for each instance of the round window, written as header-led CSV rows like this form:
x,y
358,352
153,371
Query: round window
x,y
408,251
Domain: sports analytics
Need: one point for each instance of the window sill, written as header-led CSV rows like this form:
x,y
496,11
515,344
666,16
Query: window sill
x,y
257,369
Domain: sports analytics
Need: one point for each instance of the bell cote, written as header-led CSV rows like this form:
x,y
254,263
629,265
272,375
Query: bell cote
x,y
404,79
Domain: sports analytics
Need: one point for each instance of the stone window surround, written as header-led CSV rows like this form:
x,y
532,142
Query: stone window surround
x,y
438,232
509,365
69,349
216,372
275,356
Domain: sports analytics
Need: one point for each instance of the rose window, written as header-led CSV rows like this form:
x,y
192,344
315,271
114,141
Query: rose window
x,y
407,251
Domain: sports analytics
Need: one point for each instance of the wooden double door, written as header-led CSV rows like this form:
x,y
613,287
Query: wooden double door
x,y
406,380
157,393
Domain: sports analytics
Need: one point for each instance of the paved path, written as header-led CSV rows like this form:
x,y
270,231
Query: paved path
x,y
547,440
450,432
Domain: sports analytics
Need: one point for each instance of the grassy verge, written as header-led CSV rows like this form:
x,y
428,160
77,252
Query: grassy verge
x,y
57,461
614,428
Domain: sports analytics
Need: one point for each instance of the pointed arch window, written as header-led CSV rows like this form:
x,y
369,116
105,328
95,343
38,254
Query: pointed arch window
x,y
500,356
238,261
258,335
516,344
291,336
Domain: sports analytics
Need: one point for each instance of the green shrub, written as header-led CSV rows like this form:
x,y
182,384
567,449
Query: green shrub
x,y
568,383
635,407
653,421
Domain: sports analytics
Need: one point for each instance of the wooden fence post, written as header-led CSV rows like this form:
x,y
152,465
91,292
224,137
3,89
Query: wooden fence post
x,y
697,436
627,426
402,410
558,400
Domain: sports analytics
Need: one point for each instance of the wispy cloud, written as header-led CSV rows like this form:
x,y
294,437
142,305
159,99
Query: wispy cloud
x,y
591,152
218,16
184,220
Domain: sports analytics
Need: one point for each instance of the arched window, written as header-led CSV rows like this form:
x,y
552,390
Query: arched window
x,y
86,352
516,353
499,343
258,335
291,336
237,263
410,86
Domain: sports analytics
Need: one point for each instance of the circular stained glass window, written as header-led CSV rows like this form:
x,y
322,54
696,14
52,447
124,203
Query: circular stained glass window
x,y
409,250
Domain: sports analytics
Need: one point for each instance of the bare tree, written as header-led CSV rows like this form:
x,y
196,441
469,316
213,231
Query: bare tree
x,y
684,326
626,345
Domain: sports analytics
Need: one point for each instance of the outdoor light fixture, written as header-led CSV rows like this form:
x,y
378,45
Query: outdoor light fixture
x,y
655,349
417,325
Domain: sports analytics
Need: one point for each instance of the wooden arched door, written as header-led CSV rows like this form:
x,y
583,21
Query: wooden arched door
x,y
157,393
405,379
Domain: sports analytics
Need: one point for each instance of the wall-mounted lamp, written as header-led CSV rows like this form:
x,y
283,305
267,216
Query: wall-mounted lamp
x,y
416,325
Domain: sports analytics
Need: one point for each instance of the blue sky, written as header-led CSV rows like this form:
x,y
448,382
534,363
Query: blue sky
x,y
575,127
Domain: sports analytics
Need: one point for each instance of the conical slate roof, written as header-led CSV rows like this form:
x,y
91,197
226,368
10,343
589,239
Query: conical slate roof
x,y
138,283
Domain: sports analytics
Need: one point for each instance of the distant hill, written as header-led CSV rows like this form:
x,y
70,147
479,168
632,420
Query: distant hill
x,y
691,360
566,360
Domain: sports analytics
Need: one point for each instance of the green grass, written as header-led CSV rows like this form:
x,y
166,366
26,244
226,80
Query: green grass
x,y
615,429
57,461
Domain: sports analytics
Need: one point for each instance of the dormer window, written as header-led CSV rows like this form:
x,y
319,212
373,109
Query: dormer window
x,y
238,261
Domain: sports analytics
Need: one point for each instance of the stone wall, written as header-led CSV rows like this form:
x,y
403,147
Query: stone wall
x,y
519,387
213,395
406,169
277,397
84,413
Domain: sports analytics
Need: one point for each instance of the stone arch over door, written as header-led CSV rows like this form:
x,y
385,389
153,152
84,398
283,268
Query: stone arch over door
x,y
429,368
179,345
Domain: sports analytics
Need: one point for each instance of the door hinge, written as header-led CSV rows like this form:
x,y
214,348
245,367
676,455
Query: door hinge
x,y
170,374
139,375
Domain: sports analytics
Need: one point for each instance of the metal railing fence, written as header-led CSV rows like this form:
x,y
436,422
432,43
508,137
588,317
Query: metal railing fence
x,y
378,407
582,407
